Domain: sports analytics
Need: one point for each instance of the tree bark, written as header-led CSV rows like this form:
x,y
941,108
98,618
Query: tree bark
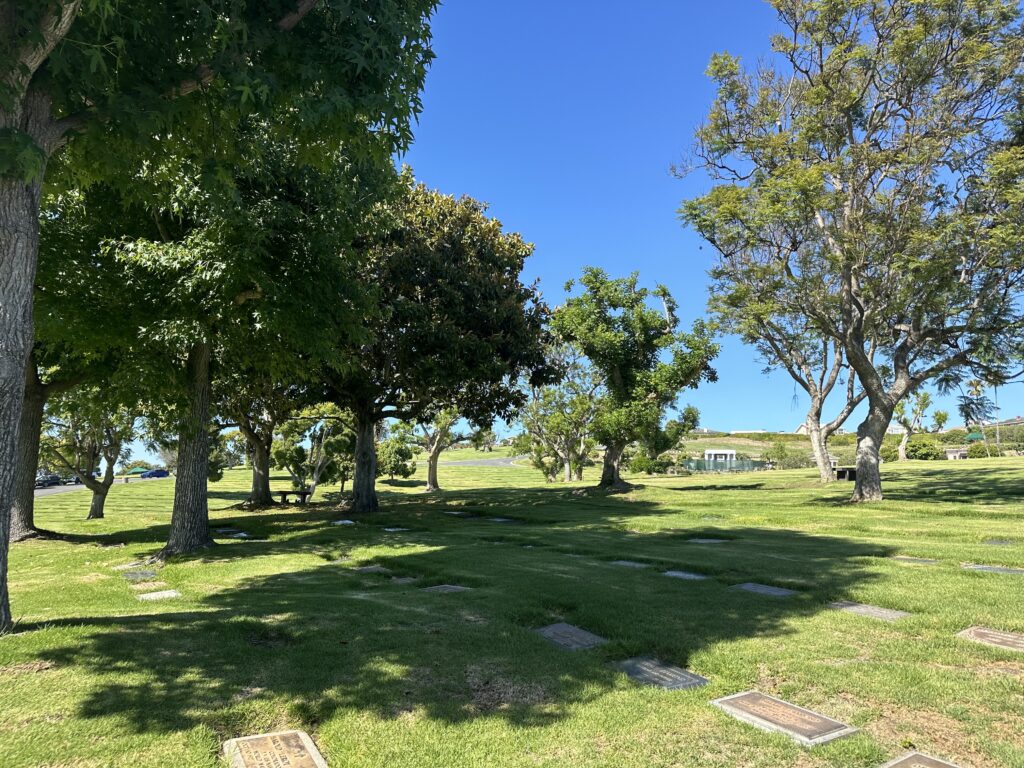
x,y
259,495
99,500
870,434
364,481
903,444
19,249
23,524
190,516
432,460
819,447
610,477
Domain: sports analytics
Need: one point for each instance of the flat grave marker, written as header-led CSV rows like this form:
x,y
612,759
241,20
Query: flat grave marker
x,y
993,569
685,575
917,760
500,520
871,611
1008,641
139,575
455,512
227,531
571,637
913,560
404,579
397,530
284,749
240,535
706,541
765,589
446,589
372,569
344,522
997,542
650,671
771,714
166,594
630,564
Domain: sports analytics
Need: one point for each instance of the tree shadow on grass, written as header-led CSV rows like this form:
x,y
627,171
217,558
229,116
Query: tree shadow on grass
x,y
322,640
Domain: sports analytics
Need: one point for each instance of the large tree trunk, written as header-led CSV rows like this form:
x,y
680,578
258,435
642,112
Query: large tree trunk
x,y
19,249
870,434
99,500
259,495
364,482
819,447
190,516
432,460
23,524
610,477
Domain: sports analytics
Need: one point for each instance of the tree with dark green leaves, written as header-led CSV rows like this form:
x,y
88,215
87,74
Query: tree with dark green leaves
x,y
867,171
315,446
395,458
453,324
227,290
643,359
113,84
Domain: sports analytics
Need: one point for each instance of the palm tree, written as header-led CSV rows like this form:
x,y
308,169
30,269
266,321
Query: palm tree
x,y
975,408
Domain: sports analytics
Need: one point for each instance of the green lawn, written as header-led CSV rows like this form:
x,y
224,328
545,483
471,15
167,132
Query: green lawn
x,y
284,633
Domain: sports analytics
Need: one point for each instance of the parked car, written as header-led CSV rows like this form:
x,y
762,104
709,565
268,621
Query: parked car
x,y
155,473
46,479
70,479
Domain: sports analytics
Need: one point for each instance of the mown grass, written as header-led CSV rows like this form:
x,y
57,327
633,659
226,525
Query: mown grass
x,y
285,633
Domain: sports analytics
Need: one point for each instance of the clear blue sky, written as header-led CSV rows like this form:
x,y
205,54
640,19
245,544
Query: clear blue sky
x,y
565,116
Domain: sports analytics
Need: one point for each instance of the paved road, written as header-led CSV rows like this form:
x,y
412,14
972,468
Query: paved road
x,y
500,461
54,489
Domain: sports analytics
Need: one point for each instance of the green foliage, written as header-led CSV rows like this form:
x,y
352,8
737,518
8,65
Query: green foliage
x,y
783,456
85,427
316,447
559,418
642,359
830,212
641,463
978,450
453,326
395,458
484,439
925,450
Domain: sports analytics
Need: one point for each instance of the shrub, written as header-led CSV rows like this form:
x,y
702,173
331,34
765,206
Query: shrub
x,y
977,451
925,450
783,456
643,464
889,452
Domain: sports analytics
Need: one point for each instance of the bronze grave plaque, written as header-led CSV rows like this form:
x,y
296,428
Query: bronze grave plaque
x,y
571,637
771,714
917,760
285,749
1009,641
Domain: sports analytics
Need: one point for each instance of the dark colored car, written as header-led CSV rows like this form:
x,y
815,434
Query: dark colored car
x,y
155,473
46,479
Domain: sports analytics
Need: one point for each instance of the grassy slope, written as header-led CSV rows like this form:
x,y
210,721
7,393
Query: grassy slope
x,y
284,634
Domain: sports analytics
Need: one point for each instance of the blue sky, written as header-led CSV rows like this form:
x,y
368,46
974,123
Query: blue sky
x,y
566,116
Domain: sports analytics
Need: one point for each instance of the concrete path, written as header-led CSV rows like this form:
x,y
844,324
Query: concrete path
x,y
499,461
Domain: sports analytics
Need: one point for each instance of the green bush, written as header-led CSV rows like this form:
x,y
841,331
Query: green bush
x,y
889,452
783,456
644,464
925,450
977,451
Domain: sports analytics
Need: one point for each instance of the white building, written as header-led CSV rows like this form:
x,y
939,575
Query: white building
x,y
719,454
